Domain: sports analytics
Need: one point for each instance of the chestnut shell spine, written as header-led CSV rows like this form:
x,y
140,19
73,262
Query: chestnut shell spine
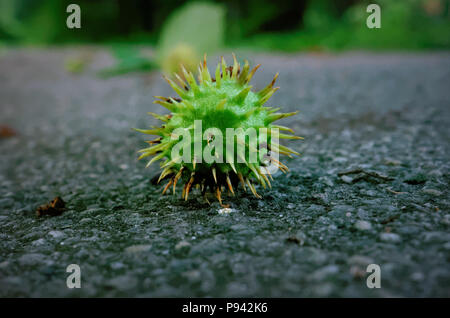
x,y
225,101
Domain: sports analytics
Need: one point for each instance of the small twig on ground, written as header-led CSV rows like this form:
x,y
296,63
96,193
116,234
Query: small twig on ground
x,y
343,173
378,175
396,192
362,174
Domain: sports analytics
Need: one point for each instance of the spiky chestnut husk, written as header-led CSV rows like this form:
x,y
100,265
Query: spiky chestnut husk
x,y
225,101
182,54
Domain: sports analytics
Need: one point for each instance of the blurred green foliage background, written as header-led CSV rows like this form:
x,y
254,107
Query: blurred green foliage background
x,y
286,25
182,31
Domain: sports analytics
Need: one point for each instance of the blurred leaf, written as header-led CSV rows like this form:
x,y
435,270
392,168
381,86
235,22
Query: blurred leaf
x,y
191,31
77,64
8,18
404,25
74,65
36,22
129,59
320,15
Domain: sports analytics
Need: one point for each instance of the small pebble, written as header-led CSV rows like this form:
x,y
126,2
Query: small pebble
x,y
392,162
347,179
85,220
390,237
363,225
225,211
183,246
56,234
432,192
138,248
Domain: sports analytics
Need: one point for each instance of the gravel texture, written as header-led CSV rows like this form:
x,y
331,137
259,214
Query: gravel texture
x,y
385,116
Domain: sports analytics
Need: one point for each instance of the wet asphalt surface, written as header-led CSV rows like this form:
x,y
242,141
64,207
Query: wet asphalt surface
x,y
384,116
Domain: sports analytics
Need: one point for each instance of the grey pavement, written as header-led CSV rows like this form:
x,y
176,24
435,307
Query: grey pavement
x,y
312,235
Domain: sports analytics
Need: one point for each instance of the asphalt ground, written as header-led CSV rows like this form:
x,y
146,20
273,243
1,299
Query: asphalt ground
x,y
371,185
